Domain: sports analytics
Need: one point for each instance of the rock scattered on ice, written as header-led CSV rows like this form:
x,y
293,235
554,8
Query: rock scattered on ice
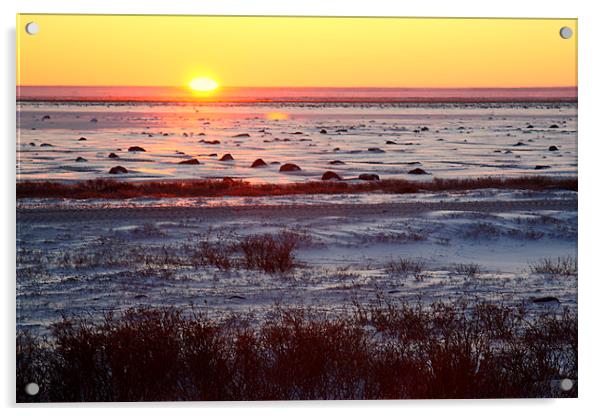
x,y
117,169
289,167
330,175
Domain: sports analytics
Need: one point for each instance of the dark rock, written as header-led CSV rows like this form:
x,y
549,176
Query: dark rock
x,y
376,150
226,158
242,135
369,177
289,167
341,131
259,163
328,175
113,156
529,126
414,163
210,141
546,299
336,162
554,126
212,154
46,145
336,149
117,169
390,142
189,162
297,132
323,131
552,148
233,297
93,120
46,117
519,144
32,144
417,171
200,134
136,149
81,159
424,129
274,163
540,167
82,139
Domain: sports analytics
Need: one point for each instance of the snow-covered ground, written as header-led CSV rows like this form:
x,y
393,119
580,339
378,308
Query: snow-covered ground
x,y
473,245
94,256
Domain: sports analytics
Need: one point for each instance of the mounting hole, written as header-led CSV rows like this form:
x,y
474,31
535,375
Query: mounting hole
x,y
566,32
32,28
566,384
32,389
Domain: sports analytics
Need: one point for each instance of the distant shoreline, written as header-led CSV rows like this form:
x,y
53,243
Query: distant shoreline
x,y
283,95
309,101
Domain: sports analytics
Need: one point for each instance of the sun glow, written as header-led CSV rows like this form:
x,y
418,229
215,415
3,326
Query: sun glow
x,y
276,115
295,52
203,84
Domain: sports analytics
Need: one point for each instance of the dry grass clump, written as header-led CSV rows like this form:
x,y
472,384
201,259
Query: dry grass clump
x,y
219,254
405,267
115,252
270,253
560,266
467,269
114,189
383,351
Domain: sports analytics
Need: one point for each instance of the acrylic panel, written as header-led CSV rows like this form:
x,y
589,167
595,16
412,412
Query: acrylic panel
x,y
295,208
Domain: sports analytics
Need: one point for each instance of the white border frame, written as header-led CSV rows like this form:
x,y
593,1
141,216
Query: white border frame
x,y
589,158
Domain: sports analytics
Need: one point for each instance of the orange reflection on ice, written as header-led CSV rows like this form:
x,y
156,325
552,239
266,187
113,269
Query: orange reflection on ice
x,y
275,115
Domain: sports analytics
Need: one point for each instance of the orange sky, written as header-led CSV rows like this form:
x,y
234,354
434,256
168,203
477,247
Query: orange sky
x,y
285,51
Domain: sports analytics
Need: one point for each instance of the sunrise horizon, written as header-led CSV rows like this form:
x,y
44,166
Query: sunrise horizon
x,y
209,91
185,86
242,52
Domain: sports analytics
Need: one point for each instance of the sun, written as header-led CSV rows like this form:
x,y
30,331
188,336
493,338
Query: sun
x,y
203,84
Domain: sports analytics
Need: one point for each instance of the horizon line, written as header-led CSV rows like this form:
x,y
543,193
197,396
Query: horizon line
x,y
305,86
